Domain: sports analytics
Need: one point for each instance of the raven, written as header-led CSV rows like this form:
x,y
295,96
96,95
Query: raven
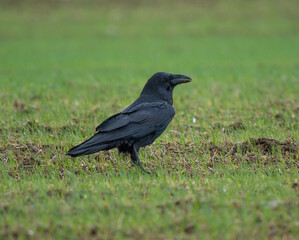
x,y
138,125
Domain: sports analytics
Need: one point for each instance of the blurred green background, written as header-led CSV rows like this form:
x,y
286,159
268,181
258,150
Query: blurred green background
x,y
65,66
238,52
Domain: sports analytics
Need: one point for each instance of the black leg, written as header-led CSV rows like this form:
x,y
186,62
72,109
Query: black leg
x,y
136,160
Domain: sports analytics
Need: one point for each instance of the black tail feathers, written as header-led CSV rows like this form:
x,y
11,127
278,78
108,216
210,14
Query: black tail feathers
x,y
90,146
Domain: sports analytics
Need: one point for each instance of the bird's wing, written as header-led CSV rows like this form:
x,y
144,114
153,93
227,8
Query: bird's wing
x,y
133,123
138,121
105,125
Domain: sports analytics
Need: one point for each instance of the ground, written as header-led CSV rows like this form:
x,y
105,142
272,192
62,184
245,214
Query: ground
x,y
225,168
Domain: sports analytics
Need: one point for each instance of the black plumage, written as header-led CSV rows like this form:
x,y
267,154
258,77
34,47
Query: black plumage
x,y
138,125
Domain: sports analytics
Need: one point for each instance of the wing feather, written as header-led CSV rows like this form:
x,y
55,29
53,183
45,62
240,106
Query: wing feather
x,y
137,114
136,122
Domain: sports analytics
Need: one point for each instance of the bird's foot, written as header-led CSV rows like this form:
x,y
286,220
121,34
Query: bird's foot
x,y
138,164
148,172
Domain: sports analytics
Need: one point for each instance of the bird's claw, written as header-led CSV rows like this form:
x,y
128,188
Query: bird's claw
x,y
141,166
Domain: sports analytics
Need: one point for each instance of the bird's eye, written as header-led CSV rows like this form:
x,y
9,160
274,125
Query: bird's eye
x,y
168,78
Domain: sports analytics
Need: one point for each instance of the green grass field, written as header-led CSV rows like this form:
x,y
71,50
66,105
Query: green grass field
x,y
227,165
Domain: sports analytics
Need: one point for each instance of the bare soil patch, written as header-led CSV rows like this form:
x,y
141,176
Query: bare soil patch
x,y
173,157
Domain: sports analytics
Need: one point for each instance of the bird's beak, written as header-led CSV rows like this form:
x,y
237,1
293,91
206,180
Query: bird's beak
x,y
178,79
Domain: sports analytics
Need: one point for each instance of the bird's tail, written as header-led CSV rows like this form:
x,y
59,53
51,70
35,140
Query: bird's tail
x,y
90,146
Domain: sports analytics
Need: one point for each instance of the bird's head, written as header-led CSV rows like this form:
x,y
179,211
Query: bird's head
x,y
160,86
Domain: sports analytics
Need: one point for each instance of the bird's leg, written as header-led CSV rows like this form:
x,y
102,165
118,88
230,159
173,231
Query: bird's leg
x,y
136,160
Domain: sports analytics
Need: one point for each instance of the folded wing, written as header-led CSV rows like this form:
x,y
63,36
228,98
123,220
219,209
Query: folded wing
x,y
128,126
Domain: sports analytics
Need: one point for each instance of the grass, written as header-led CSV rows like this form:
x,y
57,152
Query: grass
x,y
65,67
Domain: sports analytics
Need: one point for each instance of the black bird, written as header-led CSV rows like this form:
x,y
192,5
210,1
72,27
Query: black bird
x,y
138,125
